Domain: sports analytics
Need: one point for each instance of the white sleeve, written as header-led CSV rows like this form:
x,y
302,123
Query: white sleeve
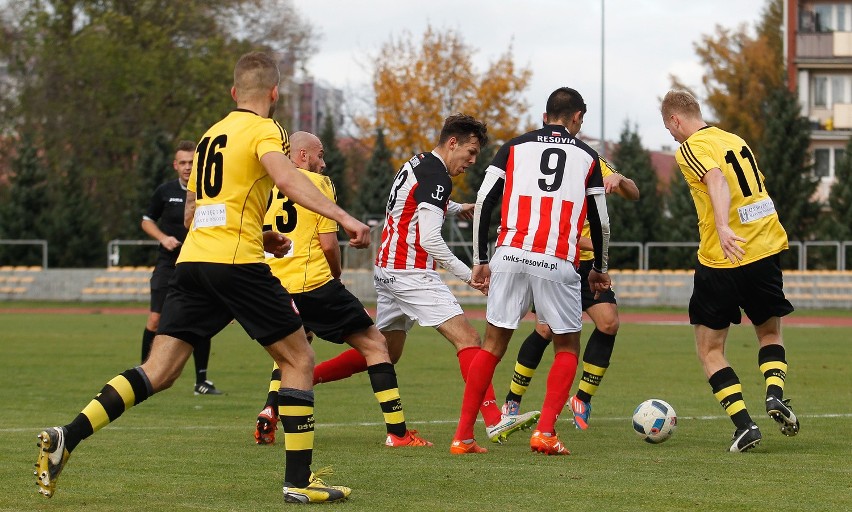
x,y
453,208
430,222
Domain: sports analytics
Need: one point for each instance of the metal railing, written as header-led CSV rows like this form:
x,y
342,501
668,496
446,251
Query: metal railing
x,y
114,249
42,243
363,258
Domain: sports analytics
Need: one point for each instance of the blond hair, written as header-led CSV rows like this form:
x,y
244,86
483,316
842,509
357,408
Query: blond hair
x,y
254,74
682,103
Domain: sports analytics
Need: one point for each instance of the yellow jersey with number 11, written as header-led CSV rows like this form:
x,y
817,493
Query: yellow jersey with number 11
x,y
752,213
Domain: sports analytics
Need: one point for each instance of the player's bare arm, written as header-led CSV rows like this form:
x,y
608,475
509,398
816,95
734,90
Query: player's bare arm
x,y
298,187
331,249
189,209
621,185
720,198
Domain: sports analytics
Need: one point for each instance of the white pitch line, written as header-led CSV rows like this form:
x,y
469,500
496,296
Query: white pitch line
x,y
430,422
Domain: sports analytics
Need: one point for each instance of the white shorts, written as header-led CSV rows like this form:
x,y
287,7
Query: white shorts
x,y
408,295
519,277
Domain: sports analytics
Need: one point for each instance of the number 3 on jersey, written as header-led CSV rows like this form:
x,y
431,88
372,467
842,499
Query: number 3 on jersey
x,y
209,168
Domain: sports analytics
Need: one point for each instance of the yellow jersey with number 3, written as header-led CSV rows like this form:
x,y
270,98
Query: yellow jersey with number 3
x,y
304,268
752,213
606,169
232,189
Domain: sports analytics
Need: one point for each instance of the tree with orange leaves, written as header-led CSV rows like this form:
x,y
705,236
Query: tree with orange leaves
x,y
418,84
742,72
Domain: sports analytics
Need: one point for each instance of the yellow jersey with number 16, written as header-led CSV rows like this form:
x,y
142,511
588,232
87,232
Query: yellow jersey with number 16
x,y
232,189
752,213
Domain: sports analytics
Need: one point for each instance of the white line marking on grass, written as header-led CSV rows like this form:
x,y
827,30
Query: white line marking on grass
x,y
375,424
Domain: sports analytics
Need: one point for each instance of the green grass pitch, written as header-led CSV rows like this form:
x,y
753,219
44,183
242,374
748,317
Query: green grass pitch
x,y
181,452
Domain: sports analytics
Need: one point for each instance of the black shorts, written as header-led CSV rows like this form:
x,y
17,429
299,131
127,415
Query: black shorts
x,y
204,297
332,312
163,273
587,296
719,293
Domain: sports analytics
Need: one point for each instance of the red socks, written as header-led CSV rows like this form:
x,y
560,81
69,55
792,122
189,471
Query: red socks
x,y
480,372
490,411
559,382
341,367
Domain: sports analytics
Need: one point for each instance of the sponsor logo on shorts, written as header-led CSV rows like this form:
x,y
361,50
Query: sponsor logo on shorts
x,y
385,280
547,265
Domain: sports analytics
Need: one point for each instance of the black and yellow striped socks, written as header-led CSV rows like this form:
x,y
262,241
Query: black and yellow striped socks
x,y
296,410
773,366
119,394
595,362
529,357
385,387
729,392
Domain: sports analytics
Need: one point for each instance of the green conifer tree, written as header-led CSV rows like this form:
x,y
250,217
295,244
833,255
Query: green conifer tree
x,y
335,162
373,189
633,221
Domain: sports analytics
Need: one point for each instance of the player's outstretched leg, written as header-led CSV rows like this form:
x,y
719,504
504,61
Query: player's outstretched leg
x,y
56,443
267,420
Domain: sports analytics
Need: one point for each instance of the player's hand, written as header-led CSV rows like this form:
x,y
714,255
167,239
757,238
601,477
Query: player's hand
x,y
170,243
359,233
728,241
466,212
276,243
480,278
612,182
599,282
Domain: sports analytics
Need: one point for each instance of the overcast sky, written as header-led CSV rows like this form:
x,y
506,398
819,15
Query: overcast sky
x,y
560,40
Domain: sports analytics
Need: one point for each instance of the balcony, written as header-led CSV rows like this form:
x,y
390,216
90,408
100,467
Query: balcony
x,y
824,50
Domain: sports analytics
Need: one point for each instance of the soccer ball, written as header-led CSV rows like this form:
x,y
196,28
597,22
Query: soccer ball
x,y
654,420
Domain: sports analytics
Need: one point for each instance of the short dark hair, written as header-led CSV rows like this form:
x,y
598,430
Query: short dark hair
x,y
186,145
463,127
563,103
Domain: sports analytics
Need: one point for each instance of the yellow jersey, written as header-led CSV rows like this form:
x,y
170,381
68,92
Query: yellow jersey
x,y
752,213
304,268
606,169
232,189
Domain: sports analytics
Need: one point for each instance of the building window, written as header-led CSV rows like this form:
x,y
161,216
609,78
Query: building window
x,y
822,162
825,160
831,89
828,18
820,89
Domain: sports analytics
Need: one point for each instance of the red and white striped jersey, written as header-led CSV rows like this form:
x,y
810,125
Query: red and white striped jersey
x,y
423,180
544,177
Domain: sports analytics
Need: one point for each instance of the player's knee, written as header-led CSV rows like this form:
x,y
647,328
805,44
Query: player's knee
x,y
609,325
544,331
161,379
153,322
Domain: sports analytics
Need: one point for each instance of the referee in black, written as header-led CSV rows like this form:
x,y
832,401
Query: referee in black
x,y
163,221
